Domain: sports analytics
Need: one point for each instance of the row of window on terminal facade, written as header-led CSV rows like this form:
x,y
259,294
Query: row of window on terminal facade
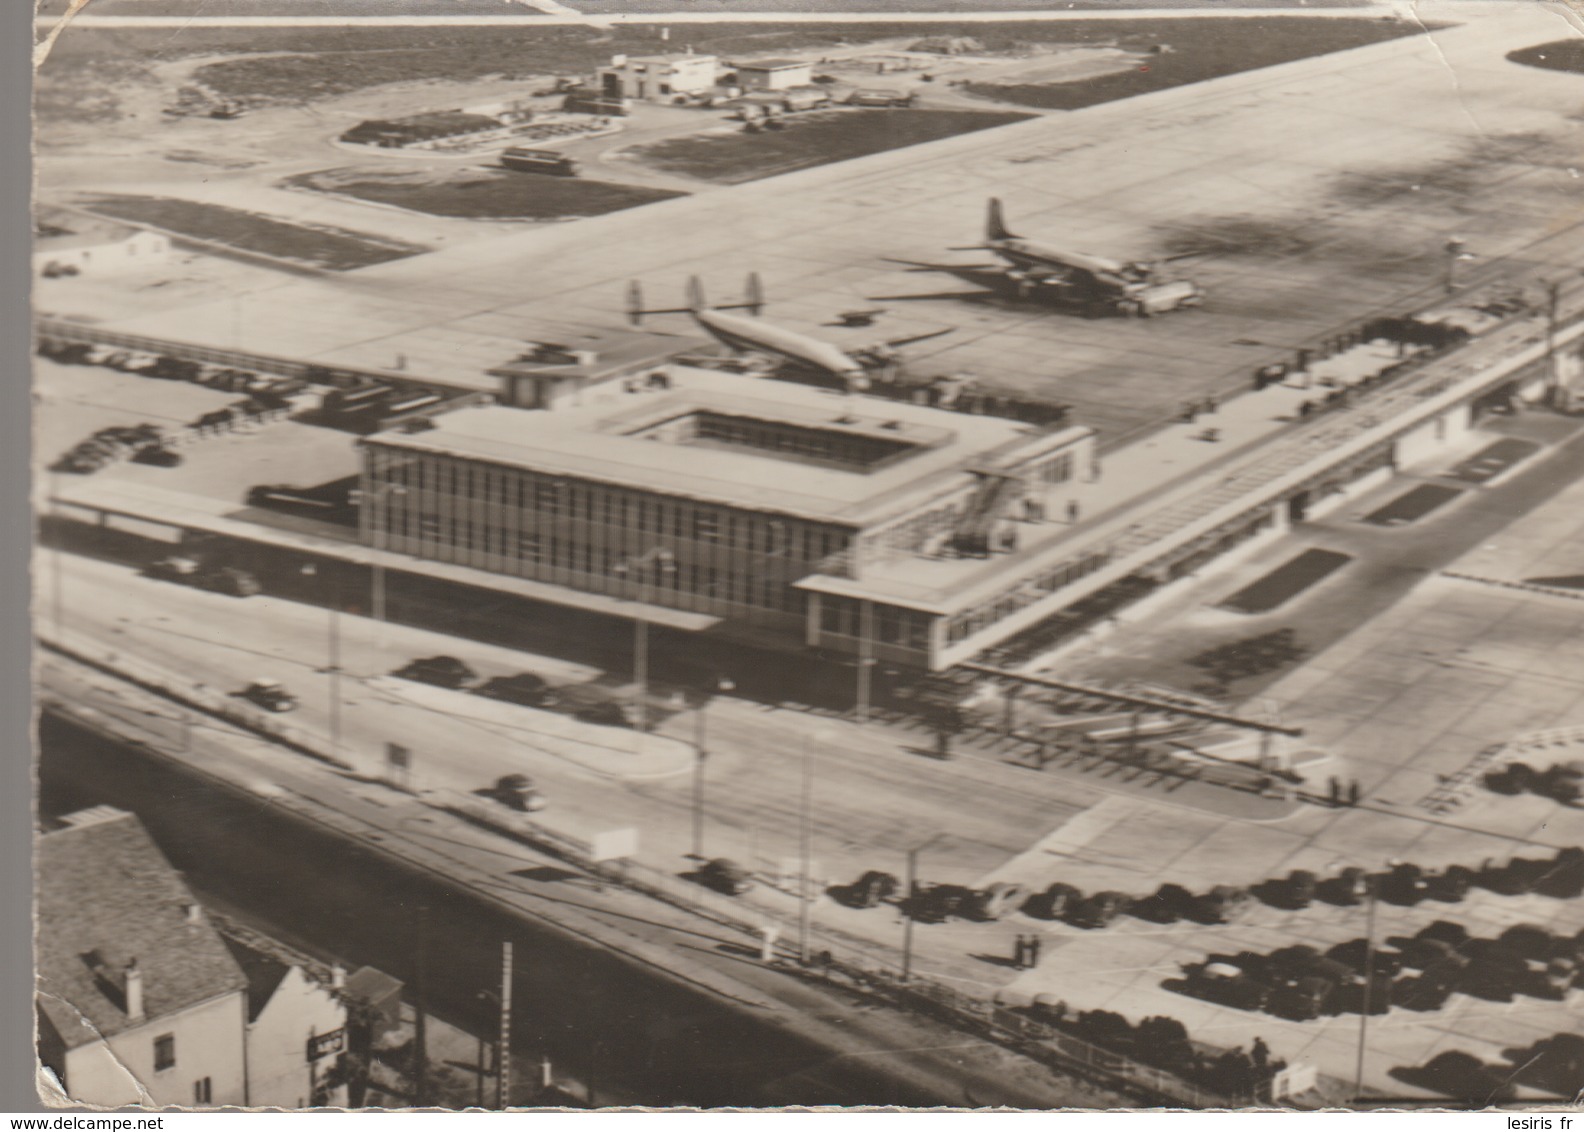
x,y
456,486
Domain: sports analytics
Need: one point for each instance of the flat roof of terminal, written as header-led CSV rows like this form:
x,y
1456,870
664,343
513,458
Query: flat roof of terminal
x,y
595,441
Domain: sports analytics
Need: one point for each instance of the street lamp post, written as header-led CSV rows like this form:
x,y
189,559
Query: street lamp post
x,y
662,558
333,668
379,517
805,844
1372,887
700,755
910,894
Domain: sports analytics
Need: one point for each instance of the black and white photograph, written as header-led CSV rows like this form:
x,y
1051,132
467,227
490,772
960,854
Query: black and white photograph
x,y
1013,555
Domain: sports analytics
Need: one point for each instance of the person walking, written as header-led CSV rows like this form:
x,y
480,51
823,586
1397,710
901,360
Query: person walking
x,y
1033,951
1260,1053
1336,791
1354,792
1020,952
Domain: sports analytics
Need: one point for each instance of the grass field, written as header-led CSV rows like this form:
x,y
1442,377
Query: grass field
x,y
1563,55
1198,50
482,194
335,249
811,139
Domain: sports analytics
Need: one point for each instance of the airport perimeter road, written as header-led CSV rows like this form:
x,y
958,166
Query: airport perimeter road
x,y
831,1049
873,798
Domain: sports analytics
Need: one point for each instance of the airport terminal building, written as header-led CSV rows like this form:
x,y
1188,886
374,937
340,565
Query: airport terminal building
x,y
749,501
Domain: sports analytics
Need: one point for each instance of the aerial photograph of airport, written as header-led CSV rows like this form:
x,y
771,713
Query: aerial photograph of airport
x,y
761,553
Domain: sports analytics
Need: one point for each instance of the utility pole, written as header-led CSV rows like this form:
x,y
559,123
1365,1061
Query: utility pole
x,y
333,667
503,1045
700,756
910,894
1369,979
1553,289
420,1067
805,907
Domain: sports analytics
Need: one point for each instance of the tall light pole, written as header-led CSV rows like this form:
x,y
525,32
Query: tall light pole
x,y
1372,887
333,668
379,518
663,560
805,846
910,895
700,755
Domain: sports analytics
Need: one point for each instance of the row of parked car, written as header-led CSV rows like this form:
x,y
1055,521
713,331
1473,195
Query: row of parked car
x,y
585,702
1562,782
142,443
1301,983
228,379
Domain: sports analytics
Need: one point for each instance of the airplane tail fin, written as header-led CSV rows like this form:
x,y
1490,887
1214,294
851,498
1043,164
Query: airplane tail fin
x,y
995,223
636,309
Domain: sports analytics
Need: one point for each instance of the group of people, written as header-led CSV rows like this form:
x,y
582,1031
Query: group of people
x,y
1026,953
1191,410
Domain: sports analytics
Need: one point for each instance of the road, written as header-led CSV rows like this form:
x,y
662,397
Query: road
x,y
308,848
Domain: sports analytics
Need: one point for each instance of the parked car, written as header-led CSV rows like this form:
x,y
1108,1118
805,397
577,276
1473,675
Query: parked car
x,y
518,792
995,901
1099,910
157,455
1229,985
269,695
174,568
1055,902
442,671
725,875
526,688
1222,904
1166,905
1297,889
232,581
936,903
869,890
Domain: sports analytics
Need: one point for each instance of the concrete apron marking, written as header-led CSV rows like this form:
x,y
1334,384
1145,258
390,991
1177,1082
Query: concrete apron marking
x,y
1066,839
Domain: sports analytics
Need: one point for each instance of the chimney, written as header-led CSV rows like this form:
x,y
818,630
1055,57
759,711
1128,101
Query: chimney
x,y
134,991
337,976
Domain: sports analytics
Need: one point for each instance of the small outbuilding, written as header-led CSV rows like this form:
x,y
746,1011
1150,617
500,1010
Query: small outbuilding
x,y
774,74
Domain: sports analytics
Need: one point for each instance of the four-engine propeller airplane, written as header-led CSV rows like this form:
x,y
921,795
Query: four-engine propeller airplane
x,y
756,338
1081,278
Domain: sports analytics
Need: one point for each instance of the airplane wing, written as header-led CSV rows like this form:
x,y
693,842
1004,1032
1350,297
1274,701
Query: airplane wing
x,y
893,343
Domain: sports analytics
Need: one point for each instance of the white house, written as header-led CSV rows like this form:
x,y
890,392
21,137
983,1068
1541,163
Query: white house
x,y
774,74
296,1029
67,243
139,1002
658,78
144,998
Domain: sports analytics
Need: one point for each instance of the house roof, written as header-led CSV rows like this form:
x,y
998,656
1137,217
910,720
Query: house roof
x,y
265,961
107,896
